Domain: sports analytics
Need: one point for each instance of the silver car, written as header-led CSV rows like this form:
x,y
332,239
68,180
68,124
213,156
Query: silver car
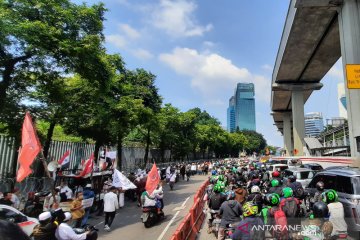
x,y
303,175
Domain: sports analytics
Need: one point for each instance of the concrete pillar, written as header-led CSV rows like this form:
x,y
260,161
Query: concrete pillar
x,y
297,104
287,133
349,28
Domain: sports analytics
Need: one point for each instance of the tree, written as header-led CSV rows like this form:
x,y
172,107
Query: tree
x,y
256,141
42,40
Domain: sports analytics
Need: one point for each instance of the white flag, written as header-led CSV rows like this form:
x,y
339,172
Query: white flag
x,y
111,155
119,180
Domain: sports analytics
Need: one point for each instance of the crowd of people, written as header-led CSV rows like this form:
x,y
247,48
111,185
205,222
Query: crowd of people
x,y
246,202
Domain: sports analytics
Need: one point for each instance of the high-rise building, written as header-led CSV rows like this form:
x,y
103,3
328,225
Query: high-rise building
x,y
231,115
314,124
245,106
342,100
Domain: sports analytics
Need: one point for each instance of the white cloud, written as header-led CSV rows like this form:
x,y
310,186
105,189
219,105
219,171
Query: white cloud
x,y
212,74
129,31
142,54
176,18
116,40
267,67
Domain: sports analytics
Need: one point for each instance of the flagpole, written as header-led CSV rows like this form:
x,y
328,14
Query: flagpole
x,y
42,159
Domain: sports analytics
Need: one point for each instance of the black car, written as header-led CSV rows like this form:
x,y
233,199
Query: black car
x,y
313,166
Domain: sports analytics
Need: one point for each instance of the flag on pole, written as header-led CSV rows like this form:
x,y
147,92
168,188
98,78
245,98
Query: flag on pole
x,y
152,180
88,166
64,161
30,148
121,181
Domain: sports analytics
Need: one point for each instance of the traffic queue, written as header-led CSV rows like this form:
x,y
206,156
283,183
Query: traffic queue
x,y
248,199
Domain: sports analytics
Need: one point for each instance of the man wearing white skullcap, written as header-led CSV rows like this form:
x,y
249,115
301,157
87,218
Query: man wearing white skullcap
x,y
46,229
65,232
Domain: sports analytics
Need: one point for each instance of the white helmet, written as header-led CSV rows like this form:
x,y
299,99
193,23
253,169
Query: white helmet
x,y
255,189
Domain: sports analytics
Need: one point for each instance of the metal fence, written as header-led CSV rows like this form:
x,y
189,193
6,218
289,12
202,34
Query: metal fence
x,y
7,155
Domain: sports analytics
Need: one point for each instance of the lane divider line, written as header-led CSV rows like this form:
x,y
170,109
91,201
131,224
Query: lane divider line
x,y
172,220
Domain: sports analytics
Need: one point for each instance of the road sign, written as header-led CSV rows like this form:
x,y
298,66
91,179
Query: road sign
x,y
353,76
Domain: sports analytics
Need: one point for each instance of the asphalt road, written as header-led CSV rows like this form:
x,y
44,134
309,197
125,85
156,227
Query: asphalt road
x,y
127,223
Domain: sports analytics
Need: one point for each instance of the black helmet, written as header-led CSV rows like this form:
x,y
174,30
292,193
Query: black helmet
x,y
320,186
320,210
292,178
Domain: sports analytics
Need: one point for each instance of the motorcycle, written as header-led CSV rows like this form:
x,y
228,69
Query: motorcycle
x,y
93,235
214,222
150,216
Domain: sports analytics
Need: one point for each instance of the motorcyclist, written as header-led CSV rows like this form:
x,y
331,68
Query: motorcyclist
x,y
271,202
214,204
230,212
65,232
277,175
297,188
255,196
244,231
150,200
336,211
319,190
318,227
291,207
46,228
275,188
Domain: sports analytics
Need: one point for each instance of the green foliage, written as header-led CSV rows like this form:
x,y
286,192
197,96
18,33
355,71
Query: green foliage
x,y
59,134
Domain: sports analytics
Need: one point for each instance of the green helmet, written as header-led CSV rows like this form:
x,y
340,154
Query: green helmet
x,y
287,192
274,183
221,178
221,186
272,199
329,196
217,188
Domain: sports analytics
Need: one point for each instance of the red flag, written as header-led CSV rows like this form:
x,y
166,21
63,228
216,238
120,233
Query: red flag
x,y
64,161
30,148
152,180
88,166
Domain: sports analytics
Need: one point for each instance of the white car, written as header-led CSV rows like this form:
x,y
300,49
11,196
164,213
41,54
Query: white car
x,y
276,167
11,214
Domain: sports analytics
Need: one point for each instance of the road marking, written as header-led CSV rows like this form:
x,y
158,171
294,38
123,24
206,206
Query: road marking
x,y
172,220
167,226
182,205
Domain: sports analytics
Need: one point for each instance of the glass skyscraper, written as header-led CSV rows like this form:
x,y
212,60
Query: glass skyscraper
x,y
314,124
231,115
244,102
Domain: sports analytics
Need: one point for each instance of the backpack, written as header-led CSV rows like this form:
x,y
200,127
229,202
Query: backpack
x,y
280,229
299,192
291,207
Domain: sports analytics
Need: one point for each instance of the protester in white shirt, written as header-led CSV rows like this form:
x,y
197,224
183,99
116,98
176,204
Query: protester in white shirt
x,y
65,232
111,204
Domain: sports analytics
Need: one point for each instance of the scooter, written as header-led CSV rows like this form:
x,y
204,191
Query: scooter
x,y
150,216
340,235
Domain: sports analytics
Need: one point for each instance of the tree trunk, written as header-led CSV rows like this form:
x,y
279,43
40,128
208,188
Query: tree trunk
x,y
119,151
148,140
203,153
49,135
98,144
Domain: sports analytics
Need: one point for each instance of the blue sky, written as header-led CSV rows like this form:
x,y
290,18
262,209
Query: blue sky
x,y
200,49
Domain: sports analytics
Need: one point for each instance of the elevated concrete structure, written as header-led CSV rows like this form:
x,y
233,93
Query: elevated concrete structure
x,y
310,46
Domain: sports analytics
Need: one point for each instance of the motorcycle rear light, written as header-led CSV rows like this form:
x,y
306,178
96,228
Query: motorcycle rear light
x,y
230,233
355,215
342,236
